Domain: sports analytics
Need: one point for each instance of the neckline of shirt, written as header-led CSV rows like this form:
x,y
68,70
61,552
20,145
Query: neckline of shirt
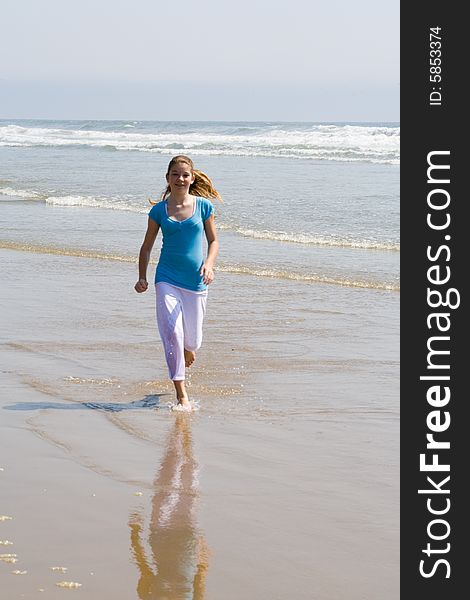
x,y
183,220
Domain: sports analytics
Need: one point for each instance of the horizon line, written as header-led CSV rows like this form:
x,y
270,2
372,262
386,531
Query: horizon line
x,y
331,121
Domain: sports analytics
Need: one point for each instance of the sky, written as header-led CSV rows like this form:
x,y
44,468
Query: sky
x,y
255,60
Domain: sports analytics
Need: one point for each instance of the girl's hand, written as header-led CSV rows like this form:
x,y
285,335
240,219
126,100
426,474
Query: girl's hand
x,y
141,286
207,274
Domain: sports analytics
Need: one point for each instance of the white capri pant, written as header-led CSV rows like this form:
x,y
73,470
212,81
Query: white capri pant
x,y
180,314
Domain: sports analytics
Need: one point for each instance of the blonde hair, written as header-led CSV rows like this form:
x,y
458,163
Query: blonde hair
x,y
201,186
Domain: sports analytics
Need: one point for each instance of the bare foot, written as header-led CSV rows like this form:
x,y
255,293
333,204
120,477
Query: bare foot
x,y
184,403
189,357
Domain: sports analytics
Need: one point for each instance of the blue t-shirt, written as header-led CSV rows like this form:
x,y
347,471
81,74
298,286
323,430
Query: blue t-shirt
x,y
181,255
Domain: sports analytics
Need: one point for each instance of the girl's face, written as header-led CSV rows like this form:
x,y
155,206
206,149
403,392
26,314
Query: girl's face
x,y
180,177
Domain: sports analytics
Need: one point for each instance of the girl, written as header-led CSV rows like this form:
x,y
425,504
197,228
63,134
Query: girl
x,y
182,275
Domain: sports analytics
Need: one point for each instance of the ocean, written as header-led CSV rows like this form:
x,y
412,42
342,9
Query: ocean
x,y
312,202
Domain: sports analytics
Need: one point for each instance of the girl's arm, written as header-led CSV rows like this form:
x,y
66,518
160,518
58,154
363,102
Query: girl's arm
x,y
144,255
207,270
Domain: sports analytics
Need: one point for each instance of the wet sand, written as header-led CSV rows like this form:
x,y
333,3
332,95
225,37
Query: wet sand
x,y
283,485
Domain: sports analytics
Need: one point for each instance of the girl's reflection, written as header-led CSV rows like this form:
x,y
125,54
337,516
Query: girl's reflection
x,y
179,561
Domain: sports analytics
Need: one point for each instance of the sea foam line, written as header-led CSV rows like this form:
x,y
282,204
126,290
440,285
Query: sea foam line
x,y
311,240
18,193
273,274
56,251
349,143
97,202
232,269
126,203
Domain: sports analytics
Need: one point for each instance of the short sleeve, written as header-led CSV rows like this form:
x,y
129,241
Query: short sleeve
x,y
154,214
207,209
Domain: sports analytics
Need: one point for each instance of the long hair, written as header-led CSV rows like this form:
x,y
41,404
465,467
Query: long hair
x,y
202,185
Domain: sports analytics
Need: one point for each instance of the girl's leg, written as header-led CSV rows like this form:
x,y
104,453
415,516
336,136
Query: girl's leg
x,y
181,394
170,326
194,308
180,314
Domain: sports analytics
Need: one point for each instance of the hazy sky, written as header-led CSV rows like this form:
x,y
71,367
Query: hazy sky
x,y
312,60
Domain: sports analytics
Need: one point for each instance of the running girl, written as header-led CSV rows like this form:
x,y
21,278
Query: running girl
x,y
182,274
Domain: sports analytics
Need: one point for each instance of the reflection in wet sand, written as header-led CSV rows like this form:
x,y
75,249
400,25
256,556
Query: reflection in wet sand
x,y
179,554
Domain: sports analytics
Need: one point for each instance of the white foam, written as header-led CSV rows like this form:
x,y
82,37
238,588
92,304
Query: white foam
x,y
9,191
99,202
194,406
311,240
315,278
378,144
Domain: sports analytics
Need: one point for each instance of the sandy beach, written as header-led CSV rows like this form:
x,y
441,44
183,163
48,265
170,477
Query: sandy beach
x,y
283,485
